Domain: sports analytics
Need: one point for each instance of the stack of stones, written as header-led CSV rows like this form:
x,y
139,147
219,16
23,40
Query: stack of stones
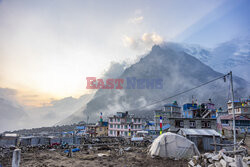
x,y
219,160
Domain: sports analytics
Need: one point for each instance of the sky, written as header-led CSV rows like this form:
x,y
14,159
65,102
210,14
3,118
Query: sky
x,y
49,47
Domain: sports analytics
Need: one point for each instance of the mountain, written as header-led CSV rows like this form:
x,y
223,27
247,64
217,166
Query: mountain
x,y
57,110
76,116
178,69
233,55
12,114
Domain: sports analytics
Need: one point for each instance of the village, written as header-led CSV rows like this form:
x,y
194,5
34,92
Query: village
x,y
126,138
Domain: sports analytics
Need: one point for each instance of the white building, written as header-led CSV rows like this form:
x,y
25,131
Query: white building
x,y
123,123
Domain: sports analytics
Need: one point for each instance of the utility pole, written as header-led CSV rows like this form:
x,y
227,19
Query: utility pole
x,y
232,92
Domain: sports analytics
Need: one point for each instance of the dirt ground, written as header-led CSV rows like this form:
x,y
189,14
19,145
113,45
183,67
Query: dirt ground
x,y
135,157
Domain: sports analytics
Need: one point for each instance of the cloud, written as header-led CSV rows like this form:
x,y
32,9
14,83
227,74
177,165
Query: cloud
x,y
136,20
138,11
152,38
144,43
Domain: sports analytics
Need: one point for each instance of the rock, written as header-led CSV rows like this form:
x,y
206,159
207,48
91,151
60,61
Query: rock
x,y
210,161
245,164
211,165
223,163
208,155
216,157
127,149
232,164
191,163
196,157
228,159
101,155
217,164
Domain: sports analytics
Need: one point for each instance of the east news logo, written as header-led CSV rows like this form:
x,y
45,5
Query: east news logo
x,y
120,83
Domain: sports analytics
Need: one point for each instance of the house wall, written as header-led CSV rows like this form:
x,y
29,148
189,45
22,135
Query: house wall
x,y
102,131
120,126
8,142
203,143
198,123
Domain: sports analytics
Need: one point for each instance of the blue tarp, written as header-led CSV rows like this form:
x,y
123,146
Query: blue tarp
x,y
165,127
80,127
73,150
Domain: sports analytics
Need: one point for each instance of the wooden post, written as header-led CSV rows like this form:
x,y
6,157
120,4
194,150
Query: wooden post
x,y
214,139
70,152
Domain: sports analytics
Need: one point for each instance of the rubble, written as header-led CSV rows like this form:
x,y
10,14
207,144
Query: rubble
x,y
221,159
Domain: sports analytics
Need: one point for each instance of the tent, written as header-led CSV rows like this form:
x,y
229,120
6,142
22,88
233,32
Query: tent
x,y
174,146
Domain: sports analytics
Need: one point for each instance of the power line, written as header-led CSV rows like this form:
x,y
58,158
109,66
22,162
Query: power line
x,y
182,92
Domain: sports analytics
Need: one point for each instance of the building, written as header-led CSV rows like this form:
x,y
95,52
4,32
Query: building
x,y
241,107
150,127
168,111
242,123
205,110
91,130
124,124
35,140
220,112
188,110
8,139
193,123
102,129
202,138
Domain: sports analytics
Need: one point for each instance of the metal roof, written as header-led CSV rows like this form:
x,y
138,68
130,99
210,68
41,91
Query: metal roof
x,y
199,132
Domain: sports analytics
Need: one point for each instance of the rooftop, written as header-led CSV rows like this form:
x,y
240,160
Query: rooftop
x,y
199,132
237,117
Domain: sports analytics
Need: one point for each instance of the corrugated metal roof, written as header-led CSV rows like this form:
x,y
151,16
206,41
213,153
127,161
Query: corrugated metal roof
x,y
200,132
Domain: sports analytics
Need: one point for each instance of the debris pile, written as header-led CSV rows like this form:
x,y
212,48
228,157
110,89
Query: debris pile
x,y
220,159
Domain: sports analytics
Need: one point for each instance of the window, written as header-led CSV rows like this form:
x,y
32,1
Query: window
x,y
118,120
111,132
126,133
179,124
192,124
118,126
132,126
126,126
111,126
208,124
111,120
203,124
